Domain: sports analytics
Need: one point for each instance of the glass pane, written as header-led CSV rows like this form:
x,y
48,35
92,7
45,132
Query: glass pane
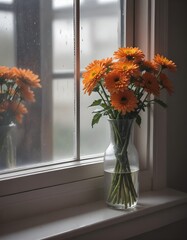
x,y
60,4
46,133
6,1
63,41
99,39
63,87
63,3
63,118
106,1
7,39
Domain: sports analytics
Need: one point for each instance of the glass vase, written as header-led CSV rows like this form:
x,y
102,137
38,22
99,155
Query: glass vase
x,y
7,146
121,166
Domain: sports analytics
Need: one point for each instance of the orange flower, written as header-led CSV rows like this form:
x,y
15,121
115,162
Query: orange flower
x,y
123,80
128,68
150,84
116,81
164,62
95,71
15,109
18,109
25,76
166,83
27,94
4,73
148,66
15,86
107,62
124,101
129,54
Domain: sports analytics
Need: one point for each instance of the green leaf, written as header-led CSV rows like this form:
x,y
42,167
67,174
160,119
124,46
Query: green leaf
x,y
161,103
98,110
105,106
138,120
96,118
96,103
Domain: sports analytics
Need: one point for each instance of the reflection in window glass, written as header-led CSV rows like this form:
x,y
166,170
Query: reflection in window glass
x,y
6,39
99,39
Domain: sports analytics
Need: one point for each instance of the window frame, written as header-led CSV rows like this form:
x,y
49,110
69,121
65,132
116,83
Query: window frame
x,y
81,181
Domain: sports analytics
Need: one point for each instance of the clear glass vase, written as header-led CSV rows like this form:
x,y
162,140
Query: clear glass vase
x,y
121,166
7,146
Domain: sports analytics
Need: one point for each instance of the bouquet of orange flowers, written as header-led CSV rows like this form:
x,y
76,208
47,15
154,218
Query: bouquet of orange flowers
x,y
16,88
126,84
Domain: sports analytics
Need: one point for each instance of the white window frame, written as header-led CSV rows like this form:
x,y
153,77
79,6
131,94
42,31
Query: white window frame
x,y
52,187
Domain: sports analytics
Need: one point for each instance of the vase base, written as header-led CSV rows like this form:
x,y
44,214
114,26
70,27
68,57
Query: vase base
x,y
121,206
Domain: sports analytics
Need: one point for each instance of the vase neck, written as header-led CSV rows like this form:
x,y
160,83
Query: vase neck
x,y
121,130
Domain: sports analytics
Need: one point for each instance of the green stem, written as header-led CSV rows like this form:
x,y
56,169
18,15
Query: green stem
x,y
122,188
104,101
107,99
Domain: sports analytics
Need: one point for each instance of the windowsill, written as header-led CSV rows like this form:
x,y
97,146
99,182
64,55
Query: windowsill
x,y
96,221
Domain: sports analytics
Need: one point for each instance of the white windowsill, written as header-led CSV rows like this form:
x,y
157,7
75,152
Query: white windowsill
x,y
96,221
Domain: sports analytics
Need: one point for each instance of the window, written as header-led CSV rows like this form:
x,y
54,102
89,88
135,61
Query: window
x,y
58,126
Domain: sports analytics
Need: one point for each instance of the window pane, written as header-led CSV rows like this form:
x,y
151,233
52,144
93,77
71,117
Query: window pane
x,y
63,3
63,118
59,3
63,87
106,1
6,1
99,39
63,40
7,39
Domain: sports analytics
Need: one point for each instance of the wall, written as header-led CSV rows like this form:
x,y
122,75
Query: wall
x,y
177,111
175,231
